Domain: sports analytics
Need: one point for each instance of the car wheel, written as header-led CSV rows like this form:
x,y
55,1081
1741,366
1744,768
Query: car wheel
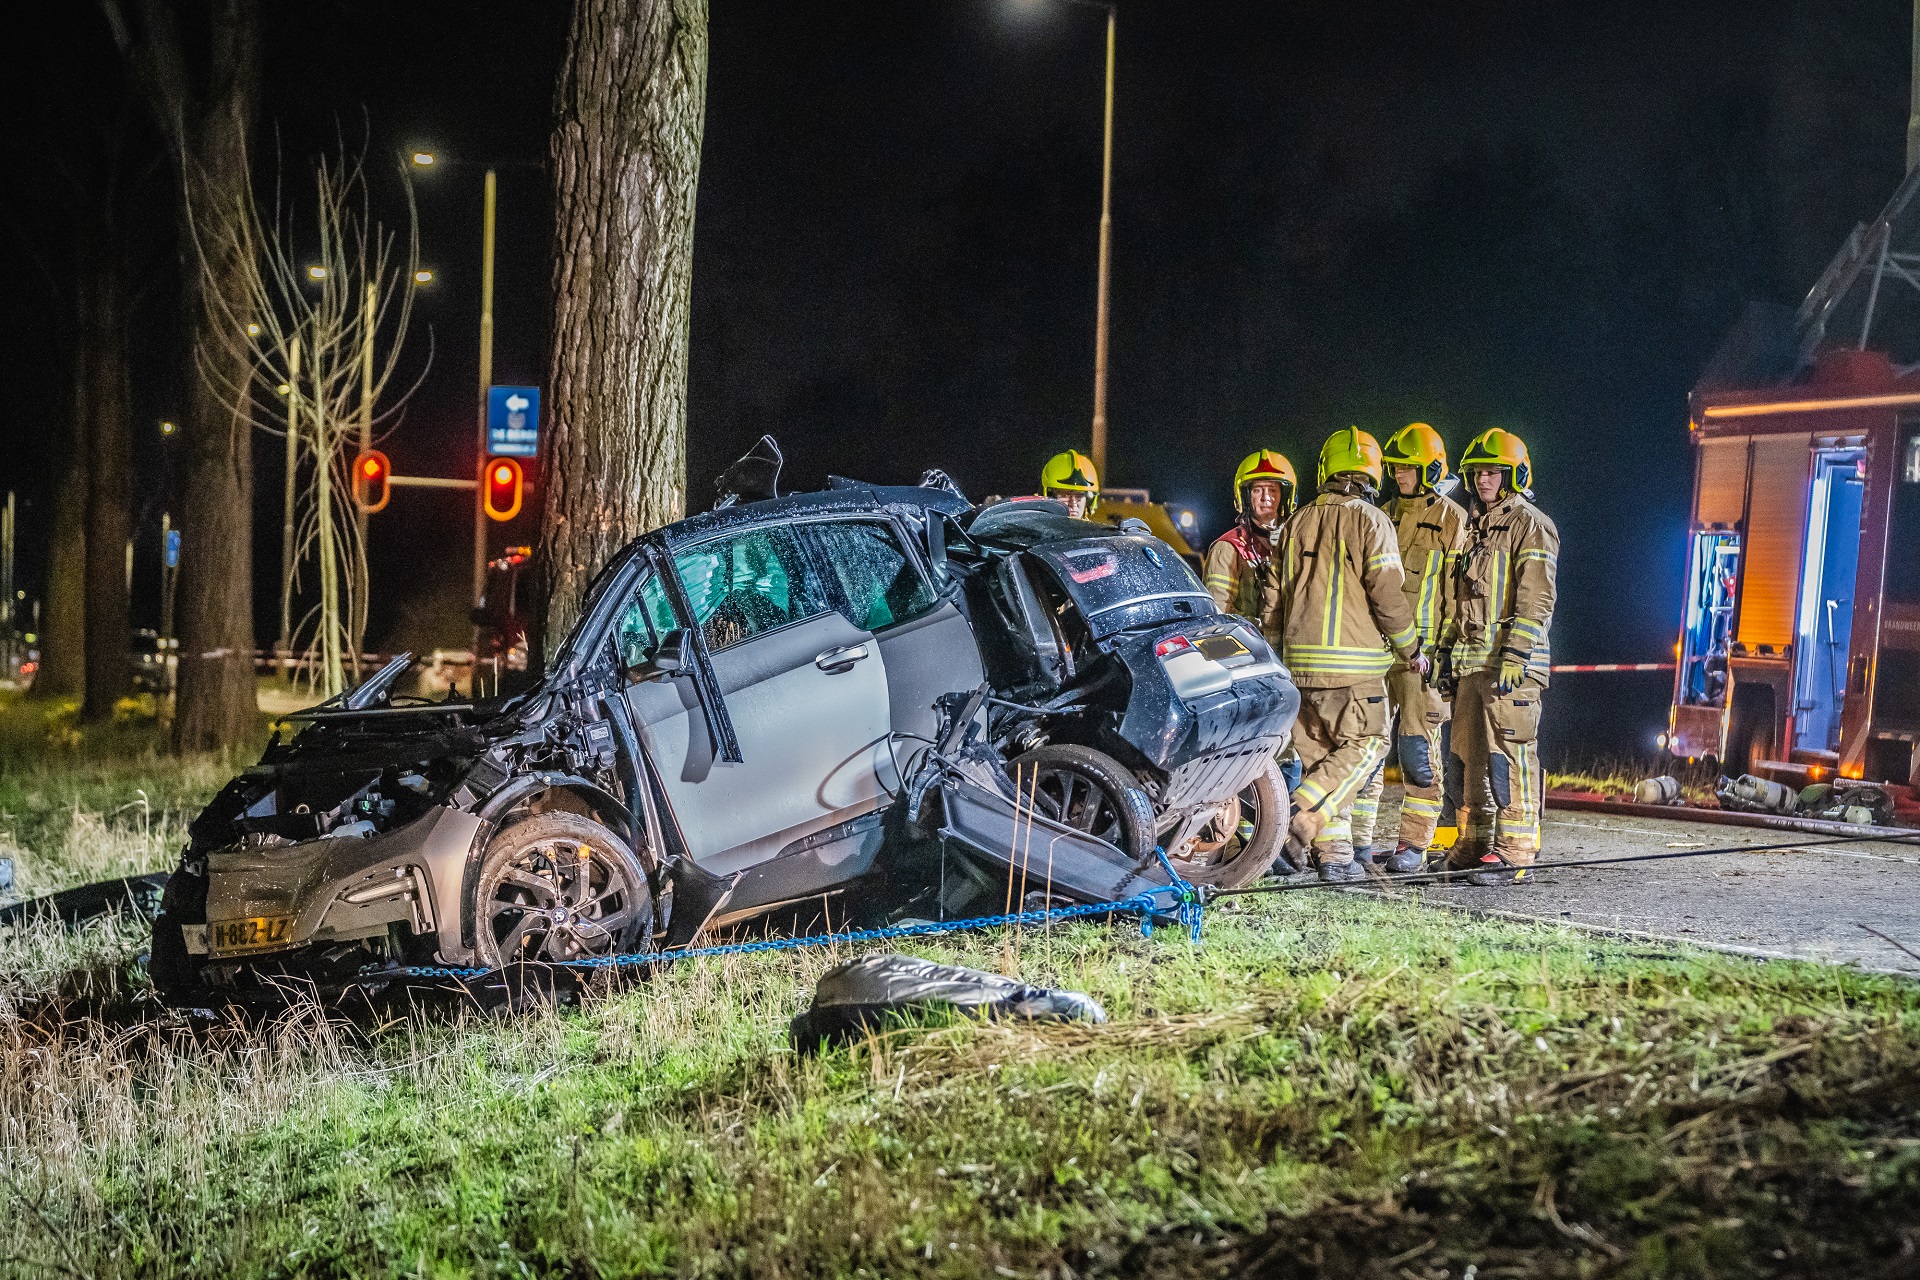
x,y
1089,791
1238,846
557,887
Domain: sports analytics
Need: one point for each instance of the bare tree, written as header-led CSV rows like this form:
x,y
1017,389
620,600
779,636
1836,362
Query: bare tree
x,y
629,111
205,106
306,328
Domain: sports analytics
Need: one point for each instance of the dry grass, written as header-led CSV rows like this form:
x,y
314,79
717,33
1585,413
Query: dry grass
x,y
1329,1075
1327,1085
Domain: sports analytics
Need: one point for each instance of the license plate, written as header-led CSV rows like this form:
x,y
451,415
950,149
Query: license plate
x,y
1220,648
224,937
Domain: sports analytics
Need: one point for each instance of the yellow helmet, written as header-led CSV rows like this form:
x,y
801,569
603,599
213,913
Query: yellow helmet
x,y
1418,445
1350,449
1497,448
1071,472
1264,465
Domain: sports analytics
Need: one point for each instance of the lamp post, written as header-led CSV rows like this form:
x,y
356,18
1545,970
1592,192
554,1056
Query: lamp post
x,y
1097,449
426,160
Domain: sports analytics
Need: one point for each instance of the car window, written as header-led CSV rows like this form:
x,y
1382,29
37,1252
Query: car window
x,y
749,583
738,587
881,583
645,619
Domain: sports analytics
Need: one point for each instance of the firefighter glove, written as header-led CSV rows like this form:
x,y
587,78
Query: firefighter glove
x,y
1513,669
1442,677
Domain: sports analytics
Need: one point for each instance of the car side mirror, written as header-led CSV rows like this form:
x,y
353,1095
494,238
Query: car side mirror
x,y
669,658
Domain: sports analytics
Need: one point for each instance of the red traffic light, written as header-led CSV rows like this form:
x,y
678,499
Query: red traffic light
x,y
504,485
372,480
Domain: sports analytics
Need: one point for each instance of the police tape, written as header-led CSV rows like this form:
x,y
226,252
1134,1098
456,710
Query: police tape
x,y
1612,666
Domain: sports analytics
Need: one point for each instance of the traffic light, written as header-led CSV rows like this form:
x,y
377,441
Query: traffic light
x,y
503,486
372,480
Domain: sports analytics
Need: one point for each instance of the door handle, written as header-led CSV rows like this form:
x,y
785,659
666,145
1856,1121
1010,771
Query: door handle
x,y
834,661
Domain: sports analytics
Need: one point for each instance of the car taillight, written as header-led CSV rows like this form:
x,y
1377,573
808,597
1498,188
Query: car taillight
x,y
1172,645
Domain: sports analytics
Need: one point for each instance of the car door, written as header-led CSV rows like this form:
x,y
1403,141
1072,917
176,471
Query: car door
x,y
805,689
926,644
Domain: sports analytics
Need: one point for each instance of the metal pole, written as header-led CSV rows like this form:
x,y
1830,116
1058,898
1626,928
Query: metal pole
x,y
168,664
1099,447
486,381
284,650
1913,96
362,585
6,588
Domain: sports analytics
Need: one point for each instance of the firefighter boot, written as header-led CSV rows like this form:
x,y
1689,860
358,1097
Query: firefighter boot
x,y
1406,860
1494,871
1337,863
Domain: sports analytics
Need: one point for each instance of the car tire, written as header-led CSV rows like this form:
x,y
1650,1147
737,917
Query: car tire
x,y
559,887
1089,791
1240,860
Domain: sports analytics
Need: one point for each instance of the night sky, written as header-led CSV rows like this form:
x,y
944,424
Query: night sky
x,y
1536,216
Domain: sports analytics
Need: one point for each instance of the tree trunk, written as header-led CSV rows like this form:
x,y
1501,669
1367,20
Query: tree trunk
x,y
102,334
63,645
629,111
205,105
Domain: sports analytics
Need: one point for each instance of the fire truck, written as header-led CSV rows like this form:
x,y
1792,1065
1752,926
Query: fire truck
x,y
1799,649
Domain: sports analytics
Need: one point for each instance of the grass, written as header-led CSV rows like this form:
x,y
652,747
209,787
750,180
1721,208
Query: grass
x,y
1322,1079
1616,777
1327,1084
80,803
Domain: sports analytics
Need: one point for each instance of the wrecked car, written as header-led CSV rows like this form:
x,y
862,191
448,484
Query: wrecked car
x,y
886,699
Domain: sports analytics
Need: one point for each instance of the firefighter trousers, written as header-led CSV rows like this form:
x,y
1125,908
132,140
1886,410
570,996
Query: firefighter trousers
x,y
1493,774
1418,715
1341,736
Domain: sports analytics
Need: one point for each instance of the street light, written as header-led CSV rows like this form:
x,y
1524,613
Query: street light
x,y
1098,447
423,160
316,273
423,277
168,428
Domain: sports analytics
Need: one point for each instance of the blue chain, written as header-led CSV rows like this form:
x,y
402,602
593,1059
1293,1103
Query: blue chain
x,y
1179,899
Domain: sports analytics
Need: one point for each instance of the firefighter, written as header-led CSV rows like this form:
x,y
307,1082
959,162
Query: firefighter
x,y
1334,607
1263,489
1070,478
1432,532
1498,660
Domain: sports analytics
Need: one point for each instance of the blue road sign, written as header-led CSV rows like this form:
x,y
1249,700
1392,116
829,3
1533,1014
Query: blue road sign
x,y
173,549
513,422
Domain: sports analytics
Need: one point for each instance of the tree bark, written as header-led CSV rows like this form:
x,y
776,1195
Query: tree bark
x,y
206,108
629,112
102,334
63,645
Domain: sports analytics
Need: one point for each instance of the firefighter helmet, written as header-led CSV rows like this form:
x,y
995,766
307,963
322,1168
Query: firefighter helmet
x,y
1350,449
1264,465
1420,446
1503,449
1071,473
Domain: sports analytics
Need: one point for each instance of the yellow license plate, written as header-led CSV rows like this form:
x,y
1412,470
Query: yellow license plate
x,y
224,937
1220,648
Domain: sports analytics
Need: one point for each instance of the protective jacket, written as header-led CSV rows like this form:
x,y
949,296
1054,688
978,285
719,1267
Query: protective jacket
x,y
1504,588
1236,566
1432,530
1334,602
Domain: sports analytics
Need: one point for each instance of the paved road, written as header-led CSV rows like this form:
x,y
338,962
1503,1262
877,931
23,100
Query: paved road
x,y
1805,902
